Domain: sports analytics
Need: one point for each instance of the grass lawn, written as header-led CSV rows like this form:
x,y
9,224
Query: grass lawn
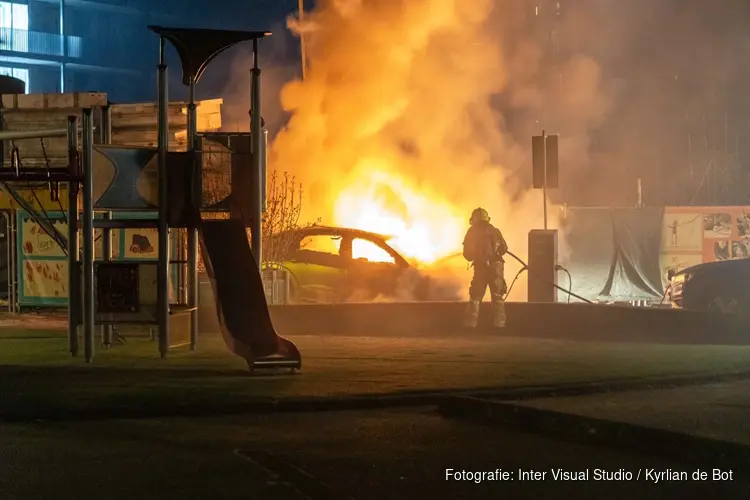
x,y
39,379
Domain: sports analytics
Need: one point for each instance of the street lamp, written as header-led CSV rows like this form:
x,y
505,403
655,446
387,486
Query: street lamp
x,y
302,38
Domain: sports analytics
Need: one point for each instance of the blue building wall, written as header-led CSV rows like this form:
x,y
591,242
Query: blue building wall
x,y
108,47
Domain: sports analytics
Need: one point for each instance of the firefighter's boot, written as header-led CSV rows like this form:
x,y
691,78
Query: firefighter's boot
x,y
498,314
471,316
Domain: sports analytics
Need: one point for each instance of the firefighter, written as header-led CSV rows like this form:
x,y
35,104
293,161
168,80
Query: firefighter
x,y
484,247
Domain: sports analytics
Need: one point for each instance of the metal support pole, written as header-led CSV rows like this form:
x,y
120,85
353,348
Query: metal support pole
x,y
192,232
9,258
193,285
74,276
544,186
179,240
302,48
256,138
192,116
88,235
105,137
162,280
264,173
105,133
9,236
106,257
13,263
16,306
7,135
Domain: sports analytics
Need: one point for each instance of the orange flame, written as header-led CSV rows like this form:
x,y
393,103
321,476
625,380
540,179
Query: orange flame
x,y
422,225
395,128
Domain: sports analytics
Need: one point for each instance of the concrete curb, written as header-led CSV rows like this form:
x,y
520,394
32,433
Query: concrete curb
x,y
298,479
619,385
587,430
559,321
363,402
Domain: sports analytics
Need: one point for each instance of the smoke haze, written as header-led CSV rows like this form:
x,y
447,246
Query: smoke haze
x,y
428,106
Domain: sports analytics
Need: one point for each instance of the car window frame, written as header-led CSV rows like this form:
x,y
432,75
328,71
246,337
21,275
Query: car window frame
x,y
383,246
332,256
345,248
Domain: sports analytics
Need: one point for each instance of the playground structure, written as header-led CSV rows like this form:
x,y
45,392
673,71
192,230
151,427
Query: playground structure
x,y
168,184
33,266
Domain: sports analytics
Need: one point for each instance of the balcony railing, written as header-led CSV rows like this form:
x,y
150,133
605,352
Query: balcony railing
x,y
36,42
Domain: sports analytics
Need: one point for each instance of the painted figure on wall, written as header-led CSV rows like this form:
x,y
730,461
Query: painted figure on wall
x,y
721,250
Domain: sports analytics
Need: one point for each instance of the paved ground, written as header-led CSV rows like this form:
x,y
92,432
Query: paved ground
x,y
351,454
717,411
55,320
374,455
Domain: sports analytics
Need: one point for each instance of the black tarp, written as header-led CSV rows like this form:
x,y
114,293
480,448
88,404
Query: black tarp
x,y
613,254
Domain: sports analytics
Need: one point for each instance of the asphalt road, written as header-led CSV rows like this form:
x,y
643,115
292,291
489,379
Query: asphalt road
x,y
363,455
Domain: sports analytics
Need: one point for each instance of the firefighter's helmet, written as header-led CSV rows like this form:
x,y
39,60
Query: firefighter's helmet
x,y
479,214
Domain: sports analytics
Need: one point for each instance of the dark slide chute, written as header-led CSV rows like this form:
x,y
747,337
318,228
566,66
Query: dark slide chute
x,y
240,299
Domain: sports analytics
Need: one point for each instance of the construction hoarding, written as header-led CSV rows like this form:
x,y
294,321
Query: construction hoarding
x,y
694,235
625,254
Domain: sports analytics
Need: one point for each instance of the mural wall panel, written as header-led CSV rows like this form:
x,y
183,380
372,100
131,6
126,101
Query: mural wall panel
x,y
43,266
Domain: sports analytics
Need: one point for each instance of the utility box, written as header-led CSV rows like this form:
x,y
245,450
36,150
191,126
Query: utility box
x,y
542,272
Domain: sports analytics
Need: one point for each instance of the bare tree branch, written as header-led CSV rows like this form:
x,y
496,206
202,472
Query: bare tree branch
x,y
281,220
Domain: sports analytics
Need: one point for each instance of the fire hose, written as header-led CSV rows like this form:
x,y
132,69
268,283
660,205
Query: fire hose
x,y
525,267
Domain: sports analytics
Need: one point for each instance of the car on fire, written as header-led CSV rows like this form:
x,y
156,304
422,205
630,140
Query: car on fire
x,y
720,286
334,264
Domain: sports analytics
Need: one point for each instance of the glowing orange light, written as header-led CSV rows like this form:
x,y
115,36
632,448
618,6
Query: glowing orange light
x,y
421,224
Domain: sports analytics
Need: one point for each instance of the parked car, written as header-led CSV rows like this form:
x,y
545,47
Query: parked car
x,y
721,286
323,268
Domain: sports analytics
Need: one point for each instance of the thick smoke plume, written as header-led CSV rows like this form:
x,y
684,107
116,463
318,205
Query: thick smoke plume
x,y
429,107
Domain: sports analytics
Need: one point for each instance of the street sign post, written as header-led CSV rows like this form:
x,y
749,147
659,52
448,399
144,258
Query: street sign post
x,y
545,164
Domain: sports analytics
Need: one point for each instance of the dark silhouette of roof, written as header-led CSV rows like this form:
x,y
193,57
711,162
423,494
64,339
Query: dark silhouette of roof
x,y
198,47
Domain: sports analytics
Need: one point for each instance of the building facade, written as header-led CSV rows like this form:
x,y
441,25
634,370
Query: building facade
x,y
104,45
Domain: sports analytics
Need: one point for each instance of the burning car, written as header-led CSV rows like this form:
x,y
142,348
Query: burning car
x,y
333,264
720,286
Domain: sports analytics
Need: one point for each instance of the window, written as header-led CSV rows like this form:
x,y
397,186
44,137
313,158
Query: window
x,y
20,73
14,15
20,16
322,243
370,251
14,26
